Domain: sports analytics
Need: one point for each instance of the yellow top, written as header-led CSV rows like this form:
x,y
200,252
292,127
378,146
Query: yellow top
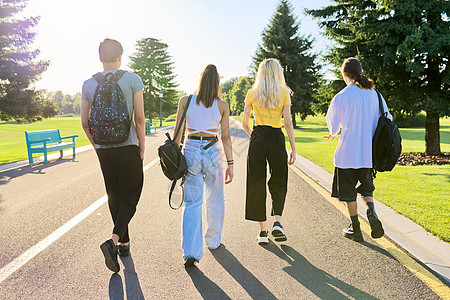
x,y
268,117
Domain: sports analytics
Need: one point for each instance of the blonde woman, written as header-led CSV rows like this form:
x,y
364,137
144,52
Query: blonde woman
x,y
270,100
205,114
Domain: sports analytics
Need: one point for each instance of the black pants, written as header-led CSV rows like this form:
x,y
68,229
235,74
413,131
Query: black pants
x,y
123,175
267,144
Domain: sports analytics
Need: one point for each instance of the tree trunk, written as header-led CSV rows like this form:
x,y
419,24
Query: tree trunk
x,y
432,137
294,123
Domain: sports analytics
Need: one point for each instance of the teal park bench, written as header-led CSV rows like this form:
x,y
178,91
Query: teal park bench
x,y
44,141
149,126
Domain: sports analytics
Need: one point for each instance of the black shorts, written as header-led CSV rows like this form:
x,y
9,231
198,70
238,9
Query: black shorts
x,y
345,180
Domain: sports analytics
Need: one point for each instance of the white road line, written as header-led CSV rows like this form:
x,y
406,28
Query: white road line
x,y
17,263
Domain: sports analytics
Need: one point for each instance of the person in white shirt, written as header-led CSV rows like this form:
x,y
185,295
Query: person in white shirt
x,y
355,111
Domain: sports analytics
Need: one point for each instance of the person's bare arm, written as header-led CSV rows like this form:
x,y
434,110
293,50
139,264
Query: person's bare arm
x,y
181,106
139,119
246,119
226,140
290,132
85,115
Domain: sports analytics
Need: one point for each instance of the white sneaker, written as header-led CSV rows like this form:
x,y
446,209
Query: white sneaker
x,y
263,238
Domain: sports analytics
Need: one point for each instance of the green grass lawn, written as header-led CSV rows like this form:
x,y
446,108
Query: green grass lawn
x,y
421,193
12,135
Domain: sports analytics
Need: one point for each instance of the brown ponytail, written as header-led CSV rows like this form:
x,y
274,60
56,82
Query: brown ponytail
x,y
353,70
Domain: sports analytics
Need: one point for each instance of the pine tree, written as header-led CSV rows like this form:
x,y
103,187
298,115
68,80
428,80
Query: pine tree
x,y
404,46
152,63
18,66
282,40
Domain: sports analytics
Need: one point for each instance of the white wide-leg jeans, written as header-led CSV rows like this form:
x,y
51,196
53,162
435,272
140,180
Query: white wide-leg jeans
x,y
205,174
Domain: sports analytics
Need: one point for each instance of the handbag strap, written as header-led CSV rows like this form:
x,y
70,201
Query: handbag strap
x,y
182,121
380,103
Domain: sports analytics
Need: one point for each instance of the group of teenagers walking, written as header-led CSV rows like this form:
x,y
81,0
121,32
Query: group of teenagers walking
x,y
353,112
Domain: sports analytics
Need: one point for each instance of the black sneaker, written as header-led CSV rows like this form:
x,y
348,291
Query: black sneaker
x,y
190,262
124,250
375,225
110,253
263,238
278,232
353,233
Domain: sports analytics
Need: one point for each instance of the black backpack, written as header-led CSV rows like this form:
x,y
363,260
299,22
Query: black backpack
x,y
386,142
173,162
109,122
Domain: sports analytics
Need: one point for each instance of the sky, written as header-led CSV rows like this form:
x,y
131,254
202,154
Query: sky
x,y
198,32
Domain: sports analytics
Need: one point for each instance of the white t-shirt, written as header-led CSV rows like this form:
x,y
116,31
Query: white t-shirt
x,y
355,111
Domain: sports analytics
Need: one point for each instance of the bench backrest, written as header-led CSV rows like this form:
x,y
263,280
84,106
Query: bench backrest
x,y
33,136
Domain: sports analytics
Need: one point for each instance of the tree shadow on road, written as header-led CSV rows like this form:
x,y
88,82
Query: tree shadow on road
x,y
132,285
37,168
244,277
205,286
319,282
116,287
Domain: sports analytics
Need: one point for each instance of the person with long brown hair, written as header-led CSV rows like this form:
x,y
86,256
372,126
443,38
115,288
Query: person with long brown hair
x,y
206,113
355,111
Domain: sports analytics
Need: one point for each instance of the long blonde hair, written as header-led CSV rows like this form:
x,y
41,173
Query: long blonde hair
x,y
268,83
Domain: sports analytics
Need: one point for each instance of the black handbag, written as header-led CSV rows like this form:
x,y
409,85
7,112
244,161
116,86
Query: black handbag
x,y
172,160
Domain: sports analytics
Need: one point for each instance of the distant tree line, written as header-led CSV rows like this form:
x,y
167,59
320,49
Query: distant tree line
x,y
404,46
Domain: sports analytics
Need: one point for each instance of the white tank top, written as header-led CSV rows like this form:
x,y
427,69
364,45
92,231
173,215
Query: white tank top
x,y
200,119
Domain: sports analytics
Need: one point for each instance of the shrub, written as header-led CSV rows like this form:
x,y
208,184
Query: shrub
x,y
409,121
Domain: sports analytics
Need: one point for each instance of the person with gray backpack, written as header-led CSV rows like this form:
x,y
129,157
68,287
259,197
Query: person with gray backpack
x,y
355,111
112,116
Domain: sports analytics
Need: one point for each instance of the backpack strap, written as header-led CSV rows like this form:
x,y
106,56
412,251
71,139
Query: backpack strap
x,y
174,182
99,77
118,74
380,103
182,120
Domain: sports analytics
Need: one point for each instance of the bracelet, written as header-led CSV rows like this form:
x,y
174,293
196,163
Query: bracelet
x,y
230,161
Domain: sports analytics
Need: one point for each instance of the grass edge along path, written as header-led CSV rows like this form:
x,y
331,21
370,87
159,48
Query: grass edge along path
x,y
420,193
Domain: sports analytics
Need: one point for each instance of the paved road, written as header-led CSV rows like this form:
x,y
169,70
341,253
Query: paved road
x,y
315,262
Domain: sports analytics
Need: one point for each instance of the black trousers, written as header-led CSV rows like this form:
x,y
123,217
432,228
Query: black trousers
x,y
267,145
123,175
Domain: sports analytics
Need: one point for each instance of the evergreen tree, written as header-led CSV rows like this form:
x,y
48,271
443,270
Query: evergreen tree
x,y
18,66
238,93
404,46
153,64
282,40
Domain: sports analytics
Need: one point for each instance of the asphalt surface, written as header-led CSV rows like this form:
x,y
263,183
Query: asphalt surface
x,y
315,261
